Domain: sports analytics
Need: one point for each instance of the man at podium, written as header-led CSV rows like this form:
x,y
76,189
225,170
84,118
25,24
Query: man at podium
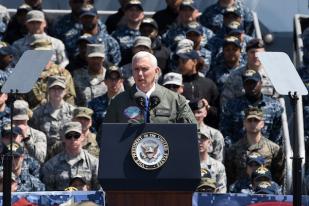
x,y
147,101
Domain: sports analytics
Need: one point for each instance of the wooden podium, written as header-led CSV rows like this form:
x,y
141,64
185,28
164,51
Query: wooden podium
x,y
128,180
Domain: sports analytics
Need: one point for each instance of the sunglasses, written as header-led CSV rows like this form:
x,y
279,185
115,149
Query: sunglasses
x,y
72,135
172,86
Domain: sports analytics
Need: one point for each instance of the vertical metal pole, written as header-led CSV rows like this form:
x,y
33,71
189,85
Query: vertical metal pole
x,y
297,160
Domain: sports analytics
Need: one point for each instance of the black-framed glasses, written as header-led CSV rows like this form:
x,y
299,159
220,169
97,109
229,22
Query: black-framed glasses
x,y
72,135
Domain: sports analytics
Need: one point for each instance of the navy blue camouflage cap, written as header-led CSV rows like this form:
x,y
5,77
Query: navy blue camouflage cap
x,y
7,50
88,10
236,31
90,39
261,173
232,10
250,74
24,7
7,131
189,55
188,3
17,149
231,40
195,27
150,21
134,3
255,157
255,44
265,187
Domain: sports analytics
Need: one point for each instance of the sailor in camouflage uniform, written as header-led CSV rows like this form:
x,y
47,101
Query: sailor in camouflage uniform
x,y
212,17
231,62
233,86
199,109
232,114
253,141
74,160
36,19
4,20
50,117
114,83
89,82
38,94
5,111
125,35
25,181
178,30
208,164
89,19
33,140
83,116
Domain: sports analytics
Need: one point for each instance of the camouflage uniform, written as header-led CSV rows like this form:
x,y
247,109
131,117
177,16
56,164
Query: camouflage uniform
x,y
234,87
4,20
36,144
88,86
217,142
178,32
31,165
217,172
5,116
58,171
221,73
50,121
23,45
91,145
236,156
125,37
39,90
206,55
212,17
99,106
232,117
28,183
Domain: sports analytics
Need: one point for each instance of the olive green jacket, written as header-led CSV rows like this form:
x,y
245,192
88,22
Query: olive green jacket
x,y
173,108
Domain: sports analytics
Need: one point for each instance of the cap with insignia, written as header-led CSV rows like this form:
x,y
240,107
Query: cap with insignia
x,y
261,173
7,50
134,3
207,185
233,25
150,21
90,39
78,178
17,149
254,112
95,50
70,189
72,127
35,15
196,104
88,10
111,70
23,8
56,81
195,27
82,112
255,44
41,44
231,40
232,10
21,110
265,187
6,130
250,74
172,78
188,4
142,41
255,157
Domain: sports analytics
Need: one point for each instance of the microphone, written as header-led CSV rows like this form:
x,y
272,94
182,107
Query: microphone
x,y
154,100
140,99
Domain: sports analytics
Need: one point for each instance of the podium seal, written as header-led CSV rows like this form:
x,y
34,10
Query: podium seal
x,y
150,151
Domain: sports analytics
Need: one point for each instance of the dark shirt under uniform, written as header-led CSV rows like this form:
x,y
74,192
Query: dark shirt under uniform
x,y
197,87
165,18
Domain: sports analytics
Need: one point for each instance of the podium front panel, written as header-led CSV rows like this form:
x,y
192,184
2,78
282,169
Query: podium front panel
x,y
118,171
